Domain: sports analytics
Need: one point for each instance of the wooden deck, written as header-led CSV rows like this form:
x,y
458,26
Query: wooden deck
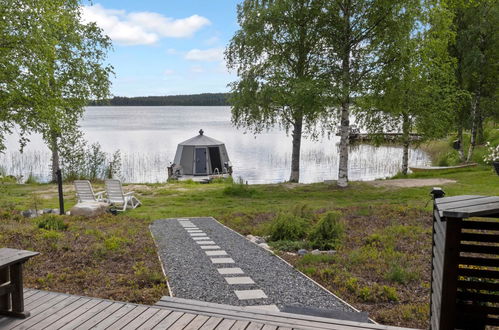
x,y
51,310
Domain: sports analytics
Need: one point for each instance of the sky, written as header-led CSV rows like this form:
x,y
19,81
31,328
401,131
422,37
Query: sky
x,y
166,47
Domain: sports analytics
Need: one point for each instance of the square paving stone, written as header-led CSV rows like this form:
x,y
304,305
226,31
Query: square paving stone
x,y
250,294
210,247
205,242
222,260
200,238
230,271
216,253
239,280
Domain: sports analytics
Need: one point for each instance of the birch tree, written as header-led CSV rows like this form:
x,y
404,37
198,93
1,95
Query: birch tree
x,y
278,56
415,93
58,65
360,34
477,52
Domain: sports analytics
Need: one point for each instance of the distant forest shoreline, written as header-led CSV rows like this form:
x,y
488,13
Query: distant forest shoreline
x,y
205,99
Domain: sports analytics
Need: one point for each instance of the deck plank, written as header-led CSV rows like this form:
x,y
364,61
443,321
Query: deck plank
x,y
254,326
168,321
74,314
155,319
128,317
42,306
98,317
139,320
113,317
225,324
197,322
212,323
52,310
183,321
28,302
240,325
269,327
51,319
87,314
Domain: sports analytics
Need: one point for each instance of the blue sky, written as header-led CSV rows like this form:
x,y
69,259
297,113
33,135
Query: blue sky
x,y
167,47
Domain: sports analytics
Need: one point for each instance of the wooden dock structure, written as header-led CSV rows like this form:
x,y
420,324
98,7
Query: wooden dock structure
x,y
51,310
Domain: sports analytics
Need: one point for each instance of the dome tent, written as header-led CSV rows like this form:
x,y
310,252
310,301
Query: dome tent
x,y
202,155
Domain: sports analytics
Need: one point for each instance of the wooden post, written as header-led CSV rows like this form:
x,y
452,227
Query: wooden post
x,y
16,275
61,196
4,298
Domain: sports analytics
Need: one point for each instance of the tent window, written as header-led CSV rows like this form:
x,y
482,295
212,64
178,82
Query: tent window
x,y
215,159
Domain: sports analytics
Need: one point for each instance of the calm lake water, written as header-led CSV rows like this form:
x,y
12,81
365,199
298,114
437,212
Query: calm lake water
x,y
148,136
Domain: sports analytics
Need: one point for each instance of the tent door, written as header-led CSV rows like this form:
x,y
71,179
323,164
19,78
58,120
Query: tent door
x,y
215,160
201,162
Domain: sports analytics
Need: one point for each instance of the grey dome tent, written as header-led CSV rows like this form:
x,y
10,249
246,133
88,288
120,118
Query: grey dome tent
x,y
201,156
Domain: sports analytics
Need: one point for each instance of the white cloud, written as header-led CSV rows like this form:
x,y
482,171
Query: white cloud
x,y
207,55
169,72
141,28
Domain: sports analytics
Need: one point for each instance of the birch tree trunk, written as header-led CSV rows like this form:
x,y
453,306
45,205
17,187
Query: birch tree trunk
x,y
460,151
295,155
345,104
406,126
54,148
474,125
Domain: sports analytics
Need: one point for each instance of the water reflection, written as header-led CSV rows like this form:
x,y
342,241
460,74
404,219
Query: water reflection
x,y
148,138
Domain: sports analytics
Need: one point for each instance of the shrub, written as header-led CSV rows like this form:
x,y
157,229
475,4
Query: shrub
x,y
114,243
399,274
303,211
285,245
52,222
239,190
327,233
287,227
32,179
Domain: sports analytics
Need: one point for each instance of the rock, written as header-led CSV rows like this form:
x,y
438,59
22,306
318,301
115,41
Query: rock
x,y
291,253
29,213
55,211
302,252
330,252
316,252
89,209
251,237
264,245
259,240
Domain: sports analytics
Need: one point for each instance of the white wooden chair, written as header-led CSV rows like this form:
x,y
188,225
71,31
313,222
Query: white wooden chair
x,y
115,195
85,192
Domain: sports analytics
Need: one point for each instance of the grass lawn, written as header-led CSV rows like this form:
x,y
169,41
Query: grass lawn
x,y
381,266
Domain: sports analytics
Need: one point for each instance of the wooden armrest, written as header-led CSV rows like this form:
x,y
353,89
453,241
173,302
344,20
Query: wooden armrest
x,y
129,193
99,193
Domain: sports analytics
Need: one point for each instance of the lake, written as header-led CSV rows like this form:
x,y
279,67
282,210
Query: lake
x,y
148,136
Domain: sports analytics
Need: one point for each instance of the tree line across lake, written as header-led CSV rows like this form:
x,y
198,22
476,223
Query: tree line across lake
x,y
205,99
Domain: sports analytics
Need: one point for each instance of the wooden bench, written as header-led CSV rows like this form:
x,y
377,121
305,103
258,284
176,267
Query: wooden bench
x,y
11,281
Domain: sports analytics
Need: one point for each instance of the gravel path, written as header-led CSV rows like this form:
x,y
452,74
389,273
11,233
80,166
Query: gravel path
x,y
192,274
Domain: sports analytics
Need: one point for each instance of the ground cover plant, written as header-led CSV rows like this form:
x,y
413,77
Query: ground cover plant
x,y
382,258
